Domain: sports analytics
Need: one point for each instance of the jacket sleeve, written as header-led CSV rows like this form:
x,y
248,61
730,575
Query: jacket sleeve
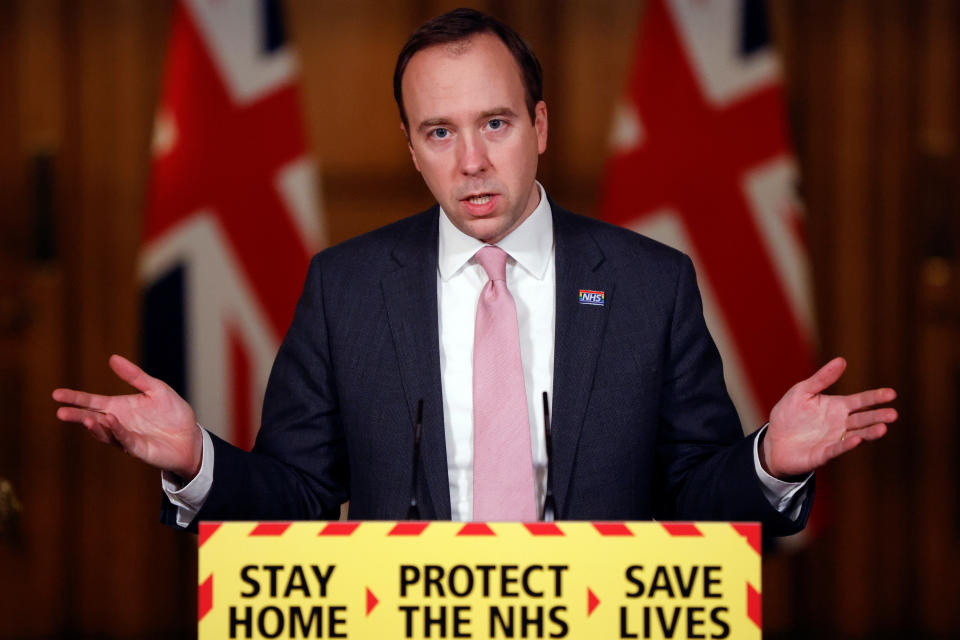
x,y
298,467
705,467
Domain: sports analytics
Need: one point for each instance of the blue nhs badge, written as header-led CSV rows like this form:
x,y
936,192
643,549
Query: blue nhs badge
x,y
594,298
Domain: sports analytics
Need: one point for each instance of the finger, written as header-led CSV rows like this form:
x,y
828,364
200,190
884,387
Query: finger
x,y
123,437
80,398
107,428
840,447
867,418
132,374
869,398
852,439
97,430
76,414
825,376
873,432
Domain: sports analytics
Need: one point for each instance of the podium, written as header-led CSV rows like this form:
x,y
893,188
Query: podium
x,y
382,580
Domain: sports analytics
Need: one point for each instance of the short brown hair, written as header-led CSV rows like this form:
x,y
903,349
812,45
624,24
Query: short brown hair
x,y
458,25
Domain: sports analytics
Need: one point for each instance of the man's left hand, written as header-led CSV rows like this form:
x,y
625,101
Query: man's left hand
x,y
808,428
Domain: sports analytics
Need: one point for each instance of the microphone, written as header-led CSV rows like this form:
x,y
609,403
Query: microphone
x,y
549,503
413,512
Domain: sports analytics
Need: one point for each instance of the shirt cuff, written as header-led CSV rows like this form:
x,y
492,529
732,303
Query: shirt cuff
x,y
785,497
189,498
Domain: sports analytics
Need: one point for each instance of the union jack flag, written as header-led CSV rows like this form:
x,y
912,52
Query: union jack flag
x,y
702,161
232,212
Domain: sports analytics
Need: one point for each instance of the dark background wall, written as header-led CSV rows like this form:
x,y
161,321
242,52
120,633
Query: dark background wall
x,y
872,89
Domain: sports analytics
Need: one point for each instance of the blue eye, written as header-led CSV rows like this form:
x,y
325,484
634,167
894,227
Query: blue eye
x,y
440,133
496,123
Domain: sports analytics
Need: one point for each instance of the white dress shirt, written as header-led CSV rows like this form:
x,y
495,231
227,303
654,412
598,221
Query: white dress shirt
x,y
531,279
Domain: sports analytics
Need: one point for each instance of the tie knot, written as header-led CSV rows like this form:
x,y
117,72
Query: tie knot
x,y
494,262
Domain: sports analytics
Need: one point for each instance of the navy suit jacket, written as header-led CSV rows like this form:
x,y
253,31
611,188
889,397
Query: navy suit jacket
x,y
642,424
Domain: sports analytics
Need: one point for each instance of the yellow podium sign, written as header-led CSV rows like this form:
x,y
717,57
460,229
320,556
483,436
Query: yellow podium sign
x,y
389,580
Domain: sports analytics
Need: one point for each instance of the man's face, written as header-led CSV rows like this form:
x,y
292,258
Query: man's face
x,y
470,134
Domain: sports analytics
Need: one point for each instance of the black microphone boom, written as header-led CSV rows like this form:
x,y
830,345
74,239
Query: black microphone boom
x,y
549,504
413,512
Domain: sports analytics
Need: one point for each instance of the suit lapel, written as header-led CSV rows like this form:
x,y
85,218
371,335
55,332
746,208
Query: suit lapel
x,y
410,296
578,338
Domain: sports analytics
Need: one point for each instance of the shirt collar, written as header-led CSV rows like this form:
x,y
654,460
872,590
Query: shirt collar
x,y
530,244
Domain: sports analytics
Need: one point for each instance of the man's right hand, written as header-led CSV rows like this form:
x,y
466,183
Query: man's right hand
x,y
155,425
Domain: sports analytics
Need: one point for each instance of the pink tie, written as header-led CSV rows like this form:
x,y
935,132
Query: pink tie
x,y
503,486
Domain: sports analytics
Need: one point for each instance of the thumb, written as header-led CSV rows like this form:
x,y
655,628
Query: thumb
x,y
132,374
825,376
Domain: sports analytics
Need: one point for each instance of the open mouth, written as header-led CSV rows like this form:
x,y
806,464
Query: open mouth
x,y
481,204
479,199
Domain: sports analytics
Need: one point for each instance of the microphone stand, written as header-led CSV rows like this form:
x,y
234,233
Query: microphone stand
x,y
549,503
413,512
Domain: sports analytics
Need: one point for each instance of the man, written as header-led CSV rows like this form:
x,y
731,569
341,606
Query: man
x,y
467,313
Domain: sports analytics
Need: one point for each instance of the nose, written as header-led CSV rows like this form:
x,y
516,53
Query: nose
x,y
473,158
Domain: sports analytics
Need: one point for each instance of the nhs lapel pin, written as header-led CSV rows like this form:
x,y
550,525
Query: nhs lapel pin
x,y
593,298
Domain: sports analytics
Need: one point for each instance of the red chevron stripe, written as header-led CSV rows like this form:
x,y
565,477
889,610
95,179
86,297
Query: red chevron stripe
x,y
754,606
408,528
751,531
476,529
205,530
543,528
205,597
681,529
270,529
339,529
612,529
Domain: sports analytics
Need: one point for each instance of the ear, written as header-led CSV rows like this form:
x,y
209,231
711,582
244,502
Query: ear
x,y
413,154
540,123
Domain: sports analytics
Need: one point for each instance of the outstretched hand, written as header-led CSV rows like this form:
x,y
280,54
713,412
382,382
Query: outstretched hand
x,y
808,428
155,425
